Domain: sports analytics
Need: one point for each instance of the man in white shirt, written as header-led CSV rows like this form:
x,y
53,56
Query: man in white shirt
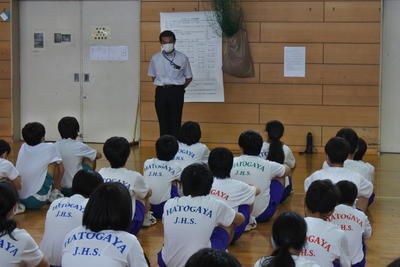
x,y
325,242
66,213
190,220
117,150
336,152
75,154
171,73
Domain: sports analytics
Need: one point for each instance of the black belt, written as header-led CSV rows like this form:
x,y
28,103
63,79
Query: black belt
x,y
170,85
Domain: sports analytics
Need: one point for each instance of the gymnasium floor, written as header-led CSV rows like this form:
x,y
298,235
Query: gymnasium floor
x,y
384,214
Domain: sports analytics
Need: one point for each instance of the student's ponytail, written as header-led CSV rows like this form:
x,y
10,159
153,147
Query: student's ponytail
x,y
8,199
282,258
275,131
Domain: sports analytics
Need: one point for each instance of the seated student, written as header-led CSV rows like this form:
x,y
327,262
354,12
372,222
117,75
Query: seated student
x,y
288,239
190,220
212,257
103,239
75,154
352,221
237,194
162,174
66,213
275,150
365,169
336,151
190,149
7,169
326,243
254,170
116,151
19,248
40,167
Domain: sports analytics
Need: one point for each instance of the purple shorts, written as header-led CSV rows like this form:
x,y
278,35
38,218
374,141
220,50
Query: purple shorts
x,y
138,218
219,238
275,197
160,260
239,230
371,199
288,190
158,209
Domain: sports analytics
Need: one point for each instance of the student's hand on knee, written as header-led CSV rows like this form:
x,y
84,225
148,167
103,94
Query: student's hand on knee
x,y
238,220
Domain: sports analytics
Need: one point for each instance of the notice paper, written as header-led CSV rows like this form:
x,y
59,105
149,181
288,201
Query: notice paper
x,y
294,62
197,37
109,53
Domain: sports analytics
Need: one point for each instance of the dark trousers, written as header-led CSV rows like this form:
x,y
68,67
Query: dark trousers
x,y
169,105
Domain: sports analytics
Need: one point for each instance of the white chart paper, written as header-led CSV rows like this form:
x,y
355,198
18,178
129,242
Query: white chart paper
x,y
294,62
197,38
109,53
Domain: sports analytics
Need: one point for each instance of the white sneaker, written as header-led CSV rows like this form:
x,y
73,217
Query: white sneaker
x,y
55,194
252,224
149,219
20,208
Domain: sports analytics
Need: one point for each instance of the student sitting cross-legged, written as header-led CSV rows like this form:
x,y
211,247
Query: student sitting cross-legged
x,y
17,247
117,151
40,167
66,213
75,154
237,194
190,220
103,239
162,175
266,175
352,221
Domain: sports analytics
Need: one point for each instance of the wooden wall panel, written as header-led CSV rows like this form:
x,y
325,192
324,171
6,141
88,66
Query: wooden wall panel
x,y
5,88
5,31
5,50
5,108
341,87
5,69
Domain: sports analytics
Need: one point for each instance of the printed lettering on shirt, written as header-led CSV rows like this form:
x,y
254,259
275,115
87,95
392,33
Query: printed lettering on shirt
x,y
64,214
219,194
126,184
249,164
307,253
68,205
109,238
241,173
187,208
342,216
319,241
86,251
186,152
9,247
154,166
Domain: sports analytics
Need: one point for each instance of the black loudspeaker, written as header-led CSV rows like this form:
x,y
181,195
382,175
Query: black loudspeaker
x,y
309,145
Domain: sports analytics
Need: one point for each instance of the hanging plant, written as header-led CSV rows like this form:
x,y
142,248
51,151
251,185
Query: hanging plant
x,y
228,16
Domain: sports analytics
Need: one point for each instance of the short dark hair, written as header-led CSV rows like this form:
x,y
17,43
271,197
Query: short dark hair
x,y
351,137
337,150
322,196
166,147
108,208
167,34
348,192
68,127
85,182
251,142
361,149
33,133
4,147
288,232
117,150
8,199
189,133
196,180
212,258
394,263
220,162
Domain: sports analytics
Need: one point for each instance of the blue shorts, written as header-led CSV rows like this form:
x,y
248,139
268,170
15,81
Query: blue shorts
x,y
219,238
160,260
275,193
158,209
288,190
239,230
41,198
138,218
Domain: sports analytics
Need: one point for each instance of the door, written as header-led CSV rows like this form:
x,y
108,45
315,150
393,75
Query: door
x,y
50,69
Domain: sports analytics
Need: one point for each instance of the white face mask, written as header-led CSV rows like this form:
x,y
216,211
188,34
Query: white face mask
x,y
168,48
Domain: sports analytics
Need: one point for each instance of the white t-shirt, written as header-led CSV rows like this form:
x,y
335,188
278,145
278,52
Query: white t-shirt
x,y
298,261
72,153
233,192
20,252
32,163
356,226
165,73
257,171
336,174
107,248
363,168
325,243
159,175
7,170
132,180
289,158
63,215
187,155
188,225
